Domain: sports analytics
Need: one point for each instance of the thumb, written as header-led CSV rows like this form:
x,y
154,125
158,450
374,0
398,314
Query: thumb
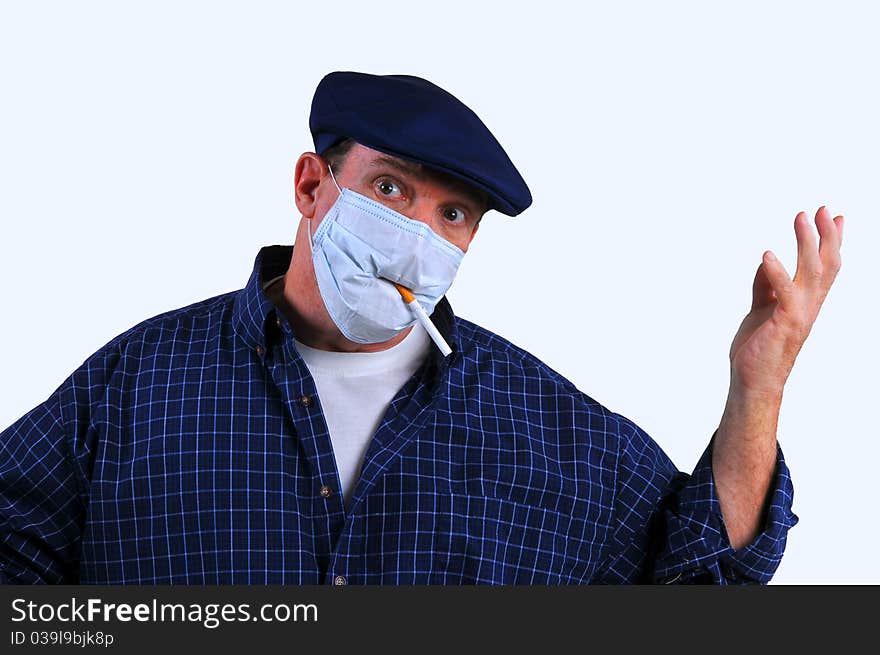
x,y
777,277
762,290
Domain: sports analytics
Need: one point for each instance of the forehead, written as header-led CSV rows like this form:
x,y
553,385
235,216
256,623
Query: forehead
x,y
363,161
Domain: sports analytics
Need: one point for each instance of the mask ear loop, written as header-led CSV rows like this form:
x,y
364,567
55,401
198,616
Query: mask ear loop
x,y
309,222
332,177
309,237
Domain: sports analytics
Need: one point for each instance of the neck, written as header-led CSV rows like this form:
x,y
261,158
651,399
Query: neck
x,y
300,302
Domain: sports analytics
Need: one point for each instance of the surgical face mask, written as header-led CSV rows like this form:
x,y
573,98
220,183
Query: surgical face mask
x,y
362,246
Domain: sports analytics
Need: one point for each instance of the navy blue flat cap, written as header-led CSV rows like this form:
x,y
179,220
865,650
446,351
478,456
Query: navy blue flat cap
x,y
411,118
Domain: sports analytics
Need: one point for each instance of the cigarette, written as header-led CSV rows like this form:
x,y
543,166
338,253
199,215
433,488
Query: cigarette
x,y
424,319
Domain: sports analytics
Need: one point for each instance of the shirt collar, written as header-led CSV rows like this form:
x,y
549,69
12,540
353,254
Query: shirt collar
x,y
253,310
253,315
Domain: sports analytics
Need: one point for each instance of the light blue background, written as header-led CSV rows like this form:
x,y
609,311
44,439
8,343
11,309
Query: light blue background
x,y
146,153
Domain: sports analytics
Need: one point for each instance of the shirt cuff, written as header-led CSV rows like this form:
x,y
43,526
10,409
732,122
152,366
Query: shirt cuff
x,y
698,547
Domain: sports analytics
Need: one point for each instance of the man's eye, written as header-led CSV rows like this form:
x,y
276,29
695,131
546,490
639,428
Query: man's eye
x,y
389,189
453,214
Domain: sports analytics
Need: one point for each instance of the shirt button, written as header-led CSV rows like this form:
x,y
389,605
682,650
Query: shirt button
x,y
305,401
278,322
326,491
339,580
260,351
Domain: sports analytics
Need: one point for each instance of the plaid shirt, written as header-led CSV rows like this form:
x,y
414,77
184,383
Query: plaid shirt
x,y
193,449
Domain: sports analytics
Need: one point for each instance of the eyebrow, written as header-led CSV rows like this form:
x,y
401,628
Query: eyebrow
x,y
418,171
404,166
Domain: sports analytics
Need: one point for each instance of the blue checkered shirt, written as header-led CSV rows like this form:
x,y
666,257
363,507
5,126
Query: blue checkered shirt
x,y
192,449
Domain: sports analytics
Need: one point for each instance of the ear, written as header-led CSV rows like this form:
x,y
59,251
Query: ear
x,y
310,170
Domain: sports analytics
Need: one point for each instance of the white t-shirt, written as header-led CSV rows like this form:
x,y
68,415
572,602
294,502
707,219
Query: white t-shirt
x,y
355,389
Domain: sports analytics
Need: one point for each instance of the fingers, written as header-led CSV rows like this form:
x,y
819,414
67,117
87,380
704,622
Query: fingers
x,y
778,279
817,268
838,221
809,266
829,243
800,298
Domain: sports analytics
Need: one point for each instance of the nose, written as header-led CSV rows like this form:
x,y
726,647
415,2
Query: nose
x,y
425,210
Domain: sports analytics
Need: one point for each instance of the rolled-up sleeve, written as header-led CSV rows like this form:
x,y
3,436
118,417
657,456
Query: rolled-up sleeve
x,y
669,527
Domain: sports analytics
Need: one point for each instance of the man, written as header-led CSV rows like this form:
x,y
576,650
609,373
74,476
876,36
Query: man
x,y
311,429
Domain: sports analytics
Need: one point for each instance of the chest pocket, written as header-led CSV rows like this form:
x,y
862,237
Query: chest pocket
x,y
489,540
